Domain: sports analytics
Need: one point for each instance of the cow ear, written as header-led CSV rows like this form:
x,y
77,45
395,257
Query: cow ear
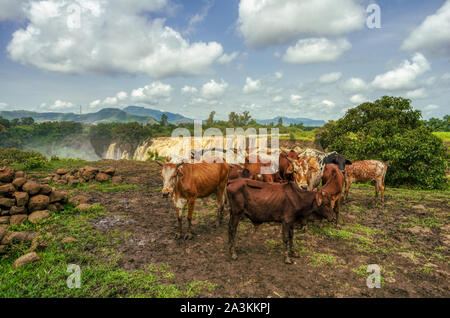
x,y
168,159
348,162
290,169
319,198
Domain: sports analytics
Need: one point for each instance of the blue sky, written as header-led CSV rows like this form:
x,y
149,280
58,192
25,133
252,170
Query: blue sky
x,y
292,58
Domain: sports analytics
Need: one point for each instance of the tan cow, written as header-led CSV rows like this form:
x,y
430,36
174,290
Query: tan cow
x,y
366,171
185,182
307,172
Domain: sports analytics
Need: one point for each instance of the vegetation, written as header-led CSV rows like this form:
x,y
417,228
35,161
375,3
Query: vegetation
x,y
439,124
390,130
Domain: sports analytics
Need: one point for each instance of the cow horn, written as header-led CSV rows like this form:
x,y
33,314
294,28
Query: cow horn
x,y
160,163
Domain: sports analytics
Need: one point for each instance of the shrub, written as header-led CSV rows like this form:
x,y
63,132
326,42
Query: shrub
x,y
390,130
17,156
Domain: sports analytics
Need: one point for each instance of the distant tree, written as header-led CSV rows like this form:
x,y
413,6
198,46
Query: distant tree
x,y
4,122
439,124
210,120
27,121
280,122
164,120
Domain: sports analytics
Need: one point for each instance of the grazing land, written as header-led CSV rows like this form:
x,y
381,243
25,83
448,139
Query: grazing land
x,y
126,247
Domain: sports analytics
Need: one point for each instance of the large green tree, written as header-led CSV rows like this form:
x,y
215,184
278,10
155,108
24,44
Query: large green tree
x,y
390,130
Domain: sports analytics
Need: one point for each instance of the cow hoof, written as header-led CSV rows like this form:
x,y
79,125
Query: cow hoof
x,y
188,236
177,236
287,260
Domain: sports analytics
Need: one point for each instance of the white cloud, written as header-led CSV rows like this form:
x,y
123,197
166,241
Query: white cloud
x,y
273,22
95,103
59,104
186,90
198,18
278,75
417,93
112,37
446,76
315,50
12,9
431,107
354,85
329,103
277,99
152,93
110,101
330,77
358,99
213,90
433,34
404,76
251,86
122,95
227,58
296,99
3,105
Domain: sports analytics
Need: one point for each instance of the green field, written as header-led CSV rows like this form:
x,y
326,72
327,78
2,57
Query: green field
x,y
444,135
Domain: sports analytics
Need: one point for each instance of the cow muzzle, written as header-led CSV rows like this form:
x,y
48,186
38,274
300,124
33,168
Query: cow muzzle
x,y
304,187
165,194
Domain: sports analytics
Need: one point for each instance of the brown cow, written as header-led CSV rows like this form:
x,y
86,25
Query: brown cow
x,y
284,203
255,169
286,166
185,182
307,172
365,171
333,184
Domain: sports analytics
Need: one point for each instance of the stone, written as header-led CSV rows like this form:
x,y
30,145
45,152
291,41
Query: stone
x,y
19,182
38,216
18,210
21,198
31,187
110,171
7,189
84,207
4,212
45,189
17,219
14,237
79,199
38,244
419,230
4,219
27,258
56,177
7,203
7,175
102,177
419,207
116,180
46,180
61,171
3,231
88,173
67,240
56,207
58,196
38,203
61,182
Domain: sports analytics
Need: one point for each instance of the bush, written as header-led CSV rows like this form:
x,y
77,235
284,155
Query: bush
x,y
391,131
35,163
17,156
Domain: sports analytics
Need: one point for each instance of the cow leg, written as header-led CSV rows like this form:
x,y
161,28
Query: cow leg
x,y
292,253
232,228
191,205
179,205
347,188
383,187
285,231
337,210
220,205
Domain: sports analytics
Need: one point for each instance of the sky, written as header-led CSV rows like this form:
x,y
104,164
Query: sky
x,y
293,58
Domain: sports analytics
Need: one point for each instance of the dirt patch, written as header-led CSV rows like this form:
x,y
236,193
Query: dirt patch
x,y
410,244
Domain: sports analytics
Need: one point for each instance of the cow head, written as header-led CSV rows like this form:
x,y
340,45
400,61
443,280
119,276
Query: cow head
x,y
338,160
299,171
324,206
169,174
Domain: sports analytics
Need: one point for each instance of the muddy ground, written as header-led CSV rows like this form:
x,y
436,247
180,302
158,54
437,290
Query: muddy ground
x,y
408,237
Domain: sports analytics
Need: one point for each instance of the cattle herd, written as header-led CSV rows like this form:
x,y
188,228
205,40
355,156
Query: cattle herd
x,y
307,185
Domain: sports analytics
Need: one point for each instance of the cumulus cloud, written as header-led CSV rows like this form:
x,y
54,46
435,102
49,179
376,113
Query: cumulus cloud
x,y
3,105
251,86
358,99
274,22
153,93
417,93
433,34
295,99
227,58
277,99
315,50
12,9
354,85
330,77
214,90
446,76
431,107
122,95
107,38
329,103
186,90
60,104
404,76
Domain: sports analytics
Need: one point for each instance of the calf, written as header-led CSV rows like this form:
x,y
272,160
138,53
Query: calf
x,y
333,184
284,203
185,182
285,165
365,171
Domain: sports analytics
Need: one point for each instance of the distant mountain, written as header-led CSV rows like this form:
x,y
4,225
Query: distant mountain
x,y
106,115
287,121
142,111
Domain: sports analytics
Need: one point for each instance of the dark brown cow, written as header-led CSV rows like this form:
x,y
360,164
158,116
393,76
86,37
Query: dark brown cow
x,y
285,165
333,184
185,182
255,169
277,202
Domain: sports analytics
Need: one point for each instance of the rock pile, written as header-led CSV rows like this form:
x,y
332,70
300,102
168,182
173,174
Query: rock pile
x,y
22,199
82,175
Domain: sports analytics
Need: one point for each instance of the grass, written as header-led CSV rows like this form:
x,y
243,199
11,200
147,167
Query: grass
x,y
105,187
95,253
301,135
444,135
53,165
319,259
